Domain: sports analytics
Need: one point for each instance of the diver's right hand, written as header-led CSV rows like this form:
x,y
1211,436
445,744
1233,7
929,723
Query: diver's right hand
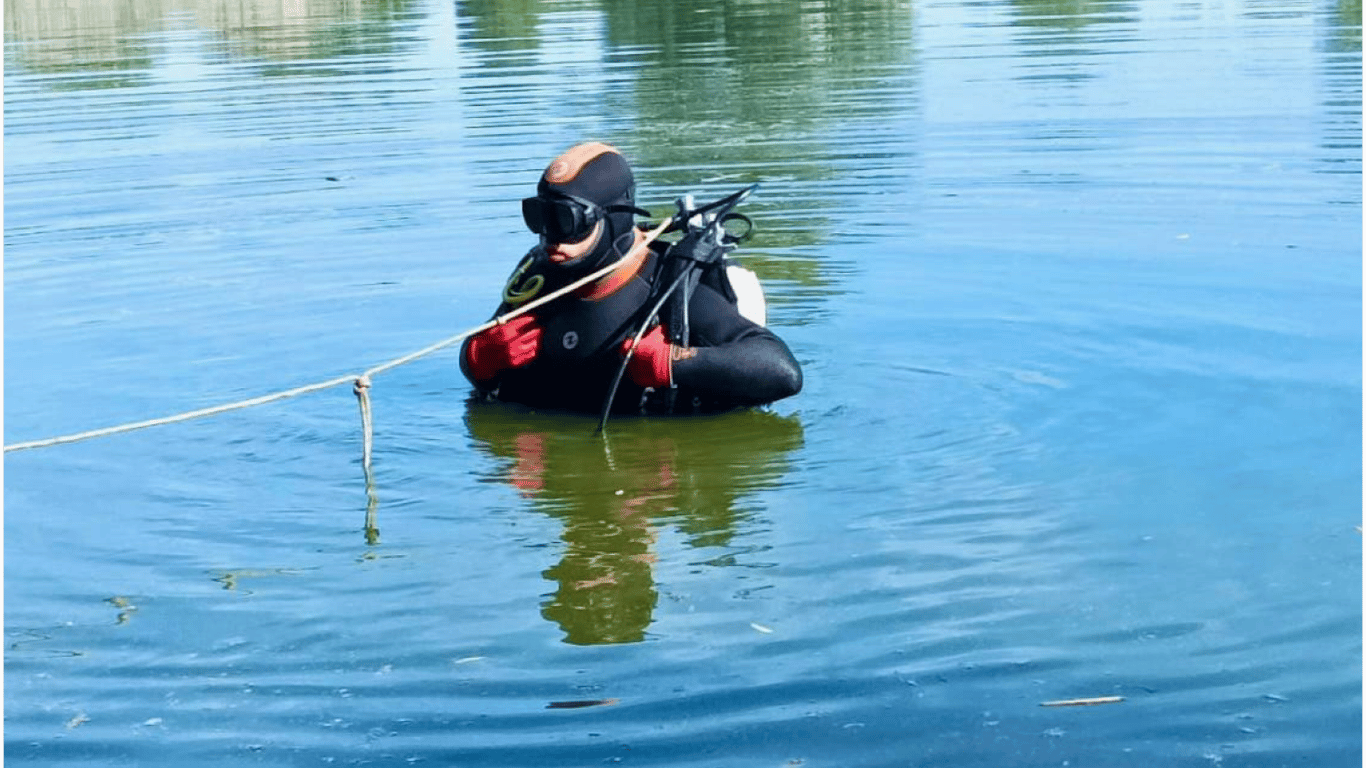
x,y
510,345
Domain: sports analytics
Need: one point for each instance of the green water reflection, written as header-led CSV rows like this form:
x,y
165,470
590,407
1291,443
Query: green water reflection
x,y
114,44
719,94
615,497
712,94
1073,14
753,92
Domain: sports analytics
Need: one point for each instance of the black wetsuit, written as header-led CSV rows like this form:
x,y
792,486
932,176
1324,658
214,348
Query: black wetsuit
x,y
737,363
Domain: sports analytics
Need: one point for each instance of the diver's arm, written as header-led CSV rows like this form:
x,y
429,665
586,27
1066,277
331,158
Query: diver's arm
x,y
756,369
733,358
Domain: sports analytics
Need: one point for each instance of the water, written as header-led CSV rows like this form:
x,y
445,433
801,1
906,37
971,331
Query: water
x,y
1076,287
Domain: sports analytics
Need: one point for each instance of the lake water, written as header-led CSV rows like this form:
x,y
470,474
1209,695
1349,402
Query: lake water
x,y
1076,287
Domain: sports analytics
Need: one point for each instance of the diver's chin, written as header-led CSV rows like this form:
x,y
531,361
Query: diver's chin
x,y
562,259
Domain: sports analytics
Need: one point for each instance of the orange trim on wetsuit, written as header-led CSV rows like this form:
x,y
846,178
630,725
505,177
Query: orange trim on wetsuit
x,y
606,286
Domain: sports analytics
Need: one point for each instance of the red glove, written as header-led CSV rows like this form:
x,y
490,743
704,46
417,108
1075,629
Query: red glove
x,y
652,364
510,345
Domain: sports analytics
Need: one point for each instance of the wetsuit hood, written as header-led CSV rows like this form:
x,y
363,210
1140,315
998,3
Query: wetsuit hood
x,y
598,174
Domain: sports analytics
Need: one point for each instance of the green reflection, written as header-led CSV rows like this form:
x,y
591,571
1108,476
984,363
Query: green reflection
x,y
500,26
108,43
1070,35
1340,95
734,92
305,31
1073,14
115,44
614,496
1345,27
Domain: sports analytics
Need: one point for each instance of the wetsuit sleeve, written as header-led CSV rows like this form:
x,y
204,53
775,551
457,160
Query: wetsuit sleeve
x,y
732,358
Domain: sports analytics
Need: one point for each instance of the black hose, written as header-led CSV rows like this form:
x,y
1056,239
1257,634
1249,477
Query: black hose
x,y
616,382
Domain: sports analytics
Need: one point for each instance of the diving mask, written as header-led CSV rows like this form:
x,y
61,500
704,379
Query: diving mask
x,y
560,217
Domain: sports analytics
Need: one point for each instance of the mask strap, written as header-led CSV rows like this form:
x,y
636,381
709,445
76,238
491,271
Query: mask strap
x,y
626,209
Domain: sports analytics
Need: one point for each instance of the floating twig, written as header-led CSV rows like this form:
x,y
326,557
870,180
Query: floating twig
x,y
581,704
1083,702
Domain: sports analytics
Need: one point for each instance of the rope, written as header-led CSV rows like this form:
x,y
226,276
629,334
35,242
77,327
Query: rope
x,y
360,383
362,390
187,416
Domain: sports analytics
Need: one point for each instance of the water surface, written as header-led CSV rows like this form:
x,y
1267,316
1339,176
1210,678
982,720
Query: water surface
x,y
1077,291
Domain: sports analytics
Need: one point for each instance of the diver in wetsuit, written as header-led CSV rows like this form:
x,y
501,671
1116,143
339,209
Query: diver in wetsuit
x,y
565,355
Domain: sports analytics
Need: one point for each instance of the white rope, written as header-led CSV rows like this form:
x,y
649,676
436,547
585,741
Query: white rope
x,y
262,400
360,383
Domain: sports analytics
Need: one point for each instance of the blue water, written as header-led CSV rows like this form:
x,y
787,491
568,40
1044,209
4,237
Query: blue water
x,y
1077,291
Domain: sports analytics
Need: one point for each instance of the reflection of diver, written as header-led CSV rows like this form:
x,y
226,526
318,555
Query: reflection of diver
x,y
611,495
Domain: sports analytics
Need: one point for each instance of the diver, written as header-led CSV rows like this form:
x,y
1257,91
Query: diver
x,y
566,355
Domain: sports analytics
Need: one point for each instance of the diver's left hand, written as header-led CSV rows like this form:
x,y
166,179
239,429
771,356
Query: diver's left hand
x,y
652,363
